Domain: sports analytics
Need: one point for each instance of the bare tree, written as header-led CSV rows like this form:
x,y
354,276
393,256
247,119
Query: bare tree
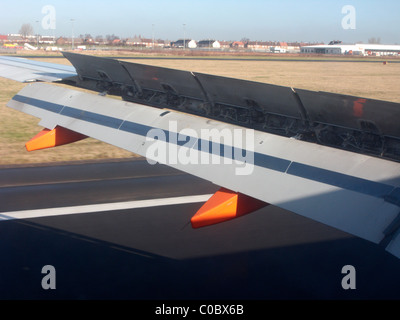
x,y
374,40
26,30
99,39
111,37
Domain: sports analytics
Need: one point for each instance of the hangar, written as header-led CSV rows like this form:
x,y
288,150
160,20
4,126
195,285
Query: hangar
x,y
355,49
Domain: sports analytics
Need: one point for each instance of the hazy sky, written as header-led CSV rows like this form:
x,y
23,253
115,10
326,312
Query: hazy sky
x,y
285,20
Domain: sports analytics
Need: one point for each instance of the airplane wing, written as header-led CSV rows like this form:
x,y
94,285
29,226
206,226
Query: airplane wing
x,y
24,70
332,158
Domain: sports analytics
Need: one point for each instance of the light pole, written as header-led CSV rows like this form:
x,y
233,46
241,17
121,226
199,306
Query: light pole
x,y
184,36
152,33
72,38
37,34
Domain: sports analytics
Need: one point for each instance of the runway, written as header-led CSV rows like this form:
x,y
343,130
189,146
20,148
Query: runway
x,y
136,241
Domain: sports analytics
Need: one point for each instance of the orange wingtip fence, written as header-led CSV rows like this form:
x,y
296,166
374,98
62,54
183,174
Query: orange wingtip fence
x,y
52,138
225,205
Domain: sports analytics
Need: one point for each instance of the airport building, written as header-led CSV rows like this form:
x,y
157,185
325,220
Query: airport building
x,y
353,49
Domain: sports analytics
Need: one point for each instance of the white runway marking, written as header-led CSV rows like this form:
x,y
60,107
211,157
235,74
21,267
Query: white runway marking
x,y
36,213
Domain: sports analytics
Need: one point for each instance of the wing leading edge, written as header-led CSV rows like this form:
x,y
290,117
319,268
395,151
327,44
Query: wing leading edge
x,y
353,192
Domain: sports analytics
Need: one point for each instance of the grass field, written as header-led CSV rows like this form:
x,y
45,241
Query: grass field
x,y
371,80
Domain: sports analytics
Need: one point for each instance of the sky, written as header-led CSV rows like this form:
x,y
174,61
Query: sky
x,y
262,20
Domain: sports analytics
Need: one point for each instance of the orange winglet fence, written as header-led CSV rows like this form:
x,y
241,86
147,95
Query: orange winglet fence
x,y
225,205
52,138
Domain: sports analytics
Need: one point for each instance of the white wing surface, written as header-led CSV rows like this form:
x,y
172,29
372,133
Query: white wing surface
x,y
356,193
24,70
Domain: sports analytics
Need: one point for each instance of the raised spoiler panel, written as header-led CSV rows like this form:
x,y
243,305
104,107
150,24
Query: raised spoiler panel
x,y
248,94
181,83
352,192
346,122
134,75
315,107
97,68
381,117
208,89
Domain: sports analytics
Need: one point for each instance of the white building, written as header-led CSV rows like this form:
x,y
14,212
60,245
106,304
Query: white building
x,y
192,44
278,50
355,49
216,45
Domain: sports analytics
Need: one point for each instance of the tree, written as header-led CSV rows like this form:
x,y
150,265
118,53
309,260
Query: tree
x,y
111,37
374,40
99,39
26,30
